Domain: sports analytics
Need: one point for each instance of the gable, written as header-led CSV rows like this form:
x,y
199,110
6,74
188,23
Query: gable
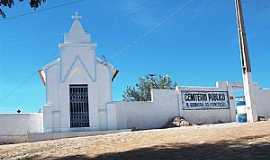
x,y
42,71
78,62
77,50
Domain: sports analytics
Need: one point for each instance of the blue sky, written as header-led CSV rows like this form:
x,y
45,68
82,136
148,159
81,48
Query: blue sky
x,y
193,41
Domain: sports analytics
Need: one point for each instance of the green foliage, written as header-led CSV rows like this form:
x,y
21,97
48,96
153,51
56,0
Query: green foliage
x,y
10,3
142,90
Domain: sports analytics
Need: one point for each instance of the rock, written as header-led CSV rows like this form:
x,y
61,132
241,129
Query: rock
x,y
177,122
261,118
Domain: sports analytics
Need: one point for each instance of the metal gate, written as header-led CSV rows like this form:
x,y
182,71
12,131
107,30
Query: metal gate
x,y
79,110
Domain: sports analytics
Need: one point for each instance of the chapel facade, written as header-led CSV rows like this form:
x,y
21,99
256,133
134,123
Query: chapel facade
x,y
78,85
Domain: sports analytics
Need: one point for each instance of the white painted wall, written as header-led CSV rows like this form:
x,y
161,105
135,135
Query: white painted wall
x,y
207,116
20,124
262,101
211,115
165,105
144,115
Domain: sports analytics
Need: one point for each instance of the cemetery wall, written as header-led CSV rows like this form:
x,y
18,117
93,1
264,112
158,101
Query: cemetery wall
x,y
167,104
144,115
262,101
20,124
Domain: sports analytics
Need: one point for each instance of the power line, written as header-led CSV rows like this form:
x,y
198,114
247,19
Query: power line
x,y
122,51
27,79
19,86
43,9
151,30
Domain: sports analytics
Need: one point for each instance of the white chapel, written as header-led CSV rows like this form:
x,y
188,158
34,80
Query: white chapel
x,y
78,85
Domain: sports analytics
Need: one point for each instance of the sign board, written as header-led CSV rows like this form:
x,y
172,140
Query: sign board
x,y
200,100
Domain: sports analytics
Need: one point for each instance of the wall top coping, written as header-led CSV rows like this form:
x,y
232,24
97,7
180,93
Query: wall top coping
x,y
21,114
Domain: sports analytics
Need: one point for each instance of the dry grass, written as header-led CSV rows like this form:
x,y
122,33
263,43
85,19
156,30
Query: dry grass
x,y
229,141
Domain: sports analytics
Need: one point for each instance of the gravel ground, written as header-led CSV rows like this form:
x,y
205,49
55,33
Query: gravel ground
x,y
224,141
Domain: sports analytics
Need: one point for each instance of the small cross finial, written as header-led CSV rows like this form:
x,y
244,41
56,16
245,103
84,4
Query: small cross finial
x,y
76,16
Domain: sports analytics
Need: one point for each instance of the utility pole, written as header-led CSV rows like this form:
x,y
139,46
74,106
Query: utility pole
x,y
246,67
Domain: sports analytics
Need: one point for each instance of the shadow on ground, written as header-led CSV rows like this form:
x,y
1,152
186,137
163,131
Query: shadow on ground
x,y
229,150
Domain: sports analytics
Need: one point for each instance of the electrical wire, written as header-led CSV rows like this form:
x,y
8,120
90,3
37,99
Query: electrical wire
x,y
122,50
71,2
27,79
152,29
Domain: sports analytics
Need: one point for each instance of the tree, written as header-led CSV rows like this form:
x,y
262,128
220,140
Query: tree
x,y
10,3
142,90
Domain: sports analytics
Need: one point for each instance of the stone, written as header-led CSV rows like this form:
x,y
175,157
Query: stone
x,y
178,122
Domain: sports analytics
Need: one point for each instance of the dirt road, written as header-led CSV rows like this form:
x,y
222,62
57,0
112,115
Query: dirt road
x,y
218,142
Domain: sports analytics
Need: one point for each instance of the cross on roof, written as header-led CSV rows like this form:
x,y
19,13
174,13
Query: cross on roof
x,y
76,16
